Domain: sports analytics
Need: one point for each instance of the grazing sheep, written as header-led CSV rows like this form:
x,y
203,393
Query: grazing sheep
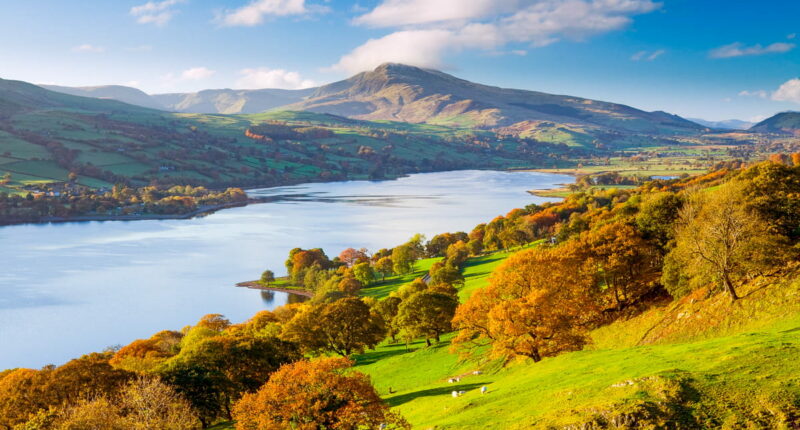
x,y
484,389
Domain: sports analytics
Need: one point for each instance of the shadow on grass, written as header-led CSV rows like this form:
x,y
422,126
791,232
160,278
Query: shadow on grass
x,y
441,391
375,356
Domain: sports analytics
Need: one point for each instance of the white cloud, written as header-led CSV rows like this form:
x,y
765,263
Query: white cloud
x,y
757,93
264,77
423,48
394,13
791,36
155,12
428,30
737,49
197,74
256,11
89,48
647,55
788,92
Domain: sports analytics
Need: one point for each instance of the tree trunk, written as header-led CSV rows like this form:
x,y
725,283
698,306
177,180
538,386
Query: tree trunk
x,y
428,341
729,287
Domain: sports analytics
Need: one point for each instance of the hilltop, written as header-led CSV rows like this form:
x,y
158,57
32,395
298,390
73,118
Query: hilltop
x,y
47,135
397,92
406,93
782,123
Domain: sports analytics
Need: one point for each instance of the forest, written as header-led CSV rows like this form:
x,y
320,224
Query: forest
x,y
600,257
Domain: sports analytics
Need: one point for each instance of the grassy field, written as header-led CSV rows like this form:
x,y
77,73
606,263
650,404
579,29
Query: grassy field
x,y
699,362
675,379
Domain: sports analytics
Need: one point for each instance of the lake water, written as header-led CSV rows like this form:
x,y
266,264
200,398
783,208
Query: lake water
x,y
73,288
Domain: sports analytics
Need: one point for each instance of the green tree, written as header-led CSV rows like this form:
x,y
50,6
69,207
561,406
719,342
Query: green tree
x,y
403,259
426,314
267,277
364,273
387,310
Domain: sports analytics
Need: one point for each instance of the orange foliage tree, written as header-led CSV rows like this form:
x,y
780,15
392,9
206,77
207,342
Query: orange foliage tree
x,y
311,395
538,303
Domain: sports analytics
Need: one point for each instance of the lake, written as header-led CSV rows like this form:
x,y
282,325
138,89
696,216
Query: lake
x,y
72,288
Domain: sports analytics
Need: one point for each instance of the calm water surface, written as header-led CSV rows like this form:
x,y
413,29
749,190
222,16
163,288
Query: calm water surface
x,y
68,289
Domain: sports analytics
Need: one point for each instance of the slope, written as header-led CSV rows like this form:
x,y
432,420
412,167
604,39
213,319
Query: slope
x,y
405,93
227,101
724,370
784,123
45,135
120,93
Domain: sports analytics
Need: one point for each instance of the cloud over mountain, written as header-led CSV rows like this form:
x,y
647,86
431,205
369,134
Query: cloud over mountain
x,y
437,28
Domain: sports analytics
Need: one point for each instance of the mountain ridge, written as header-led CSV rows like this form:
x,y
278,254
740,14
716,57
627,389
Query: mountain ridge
x,y
782,123
411,94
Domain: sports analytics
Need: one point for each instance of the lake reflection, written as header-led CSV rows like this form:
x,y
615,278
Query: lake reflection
x,y
69,289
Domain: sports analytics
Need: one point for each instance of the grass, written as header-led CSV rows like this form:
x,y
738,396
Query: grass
x,y
706,377
381,289
724,366
721,365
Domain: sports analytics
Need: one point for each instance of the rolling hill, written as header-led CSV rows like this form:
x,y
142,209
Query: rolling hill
x,y
222,101
784,123
46,135
229,101
729,124
120,93
398,92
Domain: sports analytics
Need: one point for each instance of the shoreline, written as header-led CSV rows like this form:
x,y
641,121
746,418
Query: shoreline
x,y
207,210
256,285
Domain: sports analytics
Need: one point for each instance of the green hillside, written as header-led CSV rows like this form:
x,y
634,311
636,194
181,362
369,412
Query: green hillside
x,y
45,135
784,122
700,379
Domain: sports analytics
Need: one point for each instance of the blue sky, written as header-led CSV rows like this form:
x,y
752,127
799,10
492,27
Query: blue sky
x,y
697,58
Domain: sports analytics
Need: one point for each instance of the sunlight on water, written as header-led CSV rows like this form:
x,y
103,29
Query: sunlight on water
x,y
69,289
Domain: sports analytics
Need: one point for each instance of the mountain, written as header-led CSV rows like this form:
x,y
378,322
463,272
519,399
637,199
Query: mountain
x,y
45,136
397,92
224,101
114,92
228,101
729,124
784,122
405,93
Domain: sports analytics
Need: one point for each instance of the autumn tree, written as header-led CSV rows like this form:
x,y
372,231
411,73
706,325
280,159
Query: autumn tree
x,y
457,253
151,404
350,286
98,413
344,327
320,394
623,264
426,314
538,303
387,310
720,240
351,256
384,266
445,273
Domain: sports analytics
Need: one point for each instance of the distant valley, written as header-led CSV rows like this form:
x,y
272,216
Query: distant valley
x,y
383,123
